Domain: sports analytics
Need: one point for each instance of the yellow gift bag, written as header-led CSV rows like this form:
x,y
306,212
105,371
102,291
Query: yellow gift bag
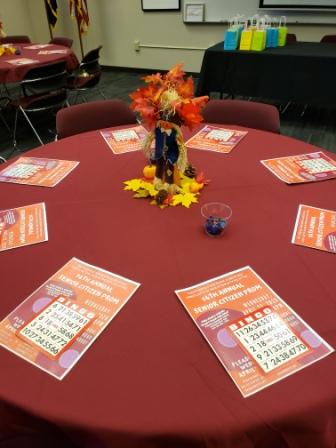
x,y
246,38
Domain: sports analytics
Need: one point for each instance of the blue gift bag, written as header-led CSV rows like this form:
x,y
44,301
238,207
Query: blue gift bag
x,y
269,37
231,39
274,37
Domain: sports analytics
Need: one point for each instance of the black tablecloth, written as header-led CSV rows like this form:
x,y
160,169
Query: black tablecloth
x,y
301,72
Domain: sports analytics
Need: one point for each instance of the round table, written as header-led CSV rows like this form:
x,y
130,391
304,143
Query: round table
x,y
10,73
150,379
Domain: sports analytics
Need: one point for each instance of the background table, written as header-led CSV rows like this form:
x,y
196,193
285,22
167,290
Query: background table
x,y
151,380
301,72
14,73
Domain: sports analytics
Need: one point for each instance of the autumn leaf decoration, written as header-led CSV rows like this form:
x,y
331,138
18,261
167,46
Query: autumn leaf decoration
x,y
167,102
166,95
185,197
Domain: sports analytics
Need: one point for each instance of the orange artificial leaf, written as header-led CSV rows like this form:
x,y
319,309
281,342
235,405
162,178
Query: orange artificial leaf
x,y
200,100
186,88
189,113
200,178
168,97
175,73
155,78
168,199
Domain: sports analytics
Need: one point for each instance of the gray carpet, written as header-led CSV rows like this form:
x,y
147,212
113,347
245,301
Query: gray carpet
x,y
315,126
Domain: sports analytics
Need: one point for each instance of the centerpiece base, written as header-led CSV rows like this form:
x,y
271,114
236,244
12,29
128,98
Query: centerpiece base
x,y
185,192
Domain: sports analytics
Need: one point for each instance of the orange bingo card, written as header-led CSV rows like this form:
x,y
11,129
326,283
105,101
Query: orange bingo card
x,y
23,226
316,228
312,167
37,171
212,138
256,336
57,323
125,140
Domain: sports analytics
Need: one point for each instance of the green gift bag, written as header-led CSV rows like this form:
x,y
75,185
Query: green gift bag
x,y
282,32
258,40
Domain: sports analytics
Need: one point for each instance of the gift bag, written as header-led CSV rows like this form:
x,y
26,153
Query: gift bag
x,y
273,33
231,39
268,28
232,35
282,32
240,26
258,40
269,37
259,36
246,39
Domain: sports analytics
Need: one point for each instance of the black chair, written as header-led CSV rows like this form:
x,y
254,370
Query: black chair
x,y
3,104
15,40
43,90
87,76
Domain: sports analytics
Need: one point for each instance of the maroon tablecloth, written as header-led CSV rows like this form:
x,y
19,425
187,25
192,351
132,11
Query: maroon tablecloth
x,y
15,73
151,380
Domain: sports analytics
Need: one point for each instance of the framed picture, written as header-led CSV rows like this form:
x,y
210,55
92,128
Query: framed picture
x,y
161,5
193,12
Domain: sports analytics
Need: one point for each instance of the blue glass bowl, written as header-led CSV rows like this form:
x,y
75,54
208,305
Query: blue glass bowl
x,y
216,217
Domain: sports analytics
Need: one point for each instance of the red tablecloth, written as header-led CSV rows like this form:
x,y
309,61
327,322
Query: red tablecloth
x,y
15,73
151,380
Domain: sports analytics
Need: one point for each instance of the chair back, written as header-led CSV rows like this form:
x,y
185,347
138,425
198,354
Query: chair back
x,y
243,113
90,62
45,78
94,115
88,73
65,41
291,38
15,40
330,38
44,87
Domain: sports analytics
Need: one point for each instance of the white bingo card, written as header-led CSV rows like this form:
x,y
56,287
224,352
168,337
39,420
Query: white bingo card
x,y
314,166
219,135
125,135
23,170
56,326
268,339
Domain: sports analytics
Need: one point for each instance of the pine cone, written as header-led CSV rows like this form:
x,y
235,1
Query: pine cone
x,y
161,196
190,171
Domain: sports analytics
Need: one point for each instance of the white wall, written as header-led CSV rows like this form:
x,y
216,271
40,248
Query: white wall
x,y
15,15
116,24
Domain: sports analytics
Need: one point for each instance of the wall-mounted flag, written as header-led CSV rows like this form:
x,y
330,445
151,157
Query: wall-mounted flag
x,y
51,8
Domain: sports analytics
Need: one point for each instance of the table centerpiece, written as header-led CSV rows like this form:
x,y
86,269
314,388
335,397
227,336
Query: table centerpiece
x,y
166,104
